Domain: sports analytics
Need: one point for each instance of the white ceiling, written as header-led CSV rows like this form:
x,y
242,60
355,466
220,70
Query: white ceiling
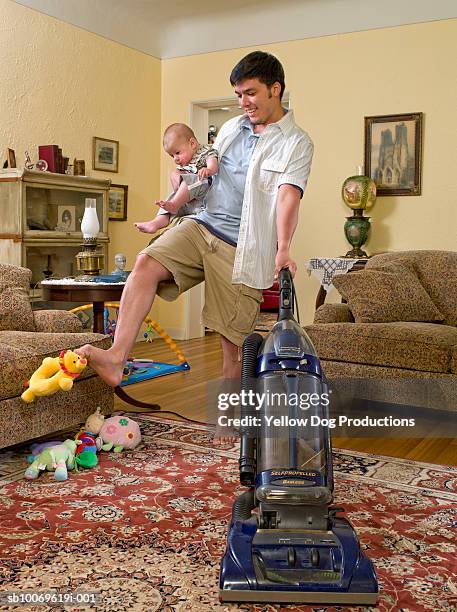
x,y
172,28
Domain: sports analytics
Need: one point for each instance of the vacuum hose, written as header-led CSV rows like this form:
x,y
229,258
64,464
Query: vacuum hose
x,y
251,347
248,374
243,506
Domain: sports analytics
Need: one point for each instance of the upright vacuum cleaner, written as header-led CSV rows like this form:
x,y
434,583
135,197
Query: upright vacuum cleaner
x,y
286,543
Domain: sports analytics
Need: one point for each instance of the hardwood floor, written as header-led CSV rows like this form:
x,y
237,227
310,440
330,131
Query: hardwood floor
x,y
186,393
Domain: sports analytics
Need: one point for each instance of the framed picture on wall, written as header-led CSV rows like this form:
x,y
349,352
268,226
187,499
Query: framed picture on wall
x,y
105,154
117,202
393,153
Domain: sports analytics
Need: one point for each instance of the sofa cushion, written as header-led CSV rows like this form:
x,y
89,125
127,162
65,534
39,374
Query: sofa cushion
x,y
437,272
333,313
429,390
423,347
22,352
15,310
391,293
57,321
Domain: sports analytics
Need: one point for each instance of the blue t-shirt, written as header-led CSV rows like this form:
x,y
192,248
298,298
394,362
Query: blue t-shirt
x,y
224,200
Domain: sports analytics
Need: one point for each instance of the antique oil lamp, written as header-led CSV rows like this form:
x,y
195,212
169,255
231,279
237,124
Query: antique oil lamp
x,y
90,260
359,194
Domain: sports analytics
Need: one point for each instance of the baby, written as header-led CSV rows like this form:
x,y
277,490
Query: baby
x,y
195,164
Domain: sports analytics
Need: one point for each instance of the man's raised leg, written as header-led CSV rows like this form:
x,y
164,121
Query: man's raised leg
x,y
231,370
137,297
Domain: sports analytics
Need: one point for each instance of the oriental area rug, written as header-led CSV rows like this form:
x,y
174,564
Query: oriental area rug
x,y
145,529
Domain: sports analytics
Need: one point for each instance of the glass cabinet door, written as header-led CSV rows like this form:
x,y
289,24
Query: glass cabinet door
x,y
58,211
48,260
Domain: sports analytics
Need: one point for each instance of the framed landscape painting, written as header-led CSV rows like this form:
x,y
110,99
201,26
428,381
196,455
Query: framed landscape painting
x,y
117,202
105,154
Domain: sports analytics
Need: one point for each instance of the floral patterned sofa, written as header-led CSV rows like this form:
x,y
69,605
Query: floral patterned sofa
x,y
397,330
26,337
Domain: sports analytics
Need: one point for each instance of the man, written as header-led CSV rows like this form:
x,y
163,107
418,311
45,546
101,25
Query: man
x,y
241,240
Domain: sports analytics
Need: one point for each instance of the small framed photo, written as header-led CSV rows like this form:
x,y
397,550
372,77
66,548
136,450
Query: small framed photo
x,y
393,153
66,219
10,159
105,154
117,202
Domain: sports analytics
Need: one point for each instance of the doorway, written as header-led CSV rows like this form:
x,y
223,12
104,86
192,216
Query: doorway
x,y
203,114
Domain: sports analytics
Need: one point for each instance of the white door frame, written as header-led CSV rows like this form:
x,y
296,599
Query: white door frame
x,y
194,299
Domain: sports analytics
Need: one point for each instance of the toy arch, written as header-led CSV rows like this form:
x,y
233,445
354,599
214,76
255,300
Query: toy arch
x,y
151,326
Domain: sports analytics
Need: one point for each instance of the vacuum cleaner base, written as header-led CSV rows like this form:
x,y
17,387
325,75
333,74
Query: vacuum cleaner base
x,y
317,597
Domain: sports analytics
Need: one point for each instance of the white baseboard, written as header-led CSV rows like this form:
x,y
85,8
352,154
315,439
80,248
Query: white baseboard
x,y
177,333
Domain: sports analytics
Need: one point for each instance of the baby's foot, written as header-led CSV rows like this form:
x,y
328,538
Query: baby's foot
x,y
171,206
148,227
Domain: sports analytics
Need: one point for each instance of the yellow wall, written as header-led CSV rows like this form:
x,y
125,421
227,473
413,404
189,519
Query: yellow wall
x,y
334,82
61,84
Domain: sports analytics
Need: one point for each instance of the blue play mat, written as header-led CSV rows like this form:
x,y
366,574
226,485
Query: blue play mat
x,y
144,370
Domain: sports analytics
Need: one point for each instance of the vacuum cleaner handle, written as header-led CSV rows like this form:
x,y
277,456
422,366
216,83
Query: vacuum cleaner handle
x,y
286,295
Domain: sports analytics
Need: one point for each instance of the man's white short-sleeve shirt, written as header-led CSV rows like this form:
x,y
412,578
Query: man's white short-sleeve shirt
x,y
282,155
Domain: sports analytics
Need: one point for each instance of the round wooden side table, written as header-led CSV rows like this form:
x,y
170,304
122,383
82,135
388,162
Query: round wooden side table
x,y
85,293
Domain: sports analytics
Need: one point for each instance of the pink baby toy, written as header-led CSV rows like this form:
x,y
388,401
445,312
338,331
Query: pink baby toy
x,y
117,433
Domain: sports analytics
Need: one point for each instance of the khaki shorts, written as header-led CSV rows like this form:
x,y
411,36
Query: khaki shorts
x,y
192,254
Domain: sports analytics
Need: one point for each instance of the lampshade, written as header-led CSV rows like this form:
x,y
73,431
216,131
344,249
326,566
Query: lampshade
x,y
89,224
90,260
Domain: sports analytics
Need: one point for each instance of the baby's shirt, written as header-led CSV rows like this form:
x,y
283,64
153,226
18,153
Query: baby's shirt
x,y
197,187
199,160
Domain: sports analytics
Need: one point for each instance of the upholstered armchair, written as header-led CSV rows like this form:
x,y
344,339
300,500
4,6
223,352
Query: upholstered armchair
x,y
26,338
396,335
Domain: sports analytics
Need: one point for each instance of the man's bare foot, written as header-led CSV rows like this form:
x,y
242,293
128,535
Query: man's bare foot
x,y
147,227
224,440
104,362
224,436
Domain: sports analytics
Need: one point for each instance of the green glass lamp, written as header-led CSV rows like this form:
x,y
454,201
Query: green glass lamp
x,y
359,194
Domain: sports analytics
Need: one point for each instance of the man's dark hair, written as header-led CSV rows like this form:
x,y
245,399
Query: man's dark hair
x,y
259,65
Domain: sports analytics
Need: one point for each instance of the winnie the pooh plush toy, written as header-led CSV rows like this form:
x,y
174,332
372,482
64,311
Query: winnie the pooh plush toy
x,y
54,373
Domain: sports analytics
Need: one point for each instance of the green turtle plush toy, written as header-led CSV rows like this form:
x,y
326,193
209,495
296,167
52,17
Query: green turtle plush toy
x,y
54,459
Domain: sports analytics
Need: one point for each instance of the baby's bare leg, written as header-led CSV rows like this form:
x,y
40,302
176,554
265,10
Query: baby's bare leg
x,y
151,227
175,179
177,200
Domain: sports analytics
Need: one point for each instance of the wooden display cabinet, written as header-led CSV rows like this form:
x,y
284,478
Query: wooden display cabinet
x,y
40,220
